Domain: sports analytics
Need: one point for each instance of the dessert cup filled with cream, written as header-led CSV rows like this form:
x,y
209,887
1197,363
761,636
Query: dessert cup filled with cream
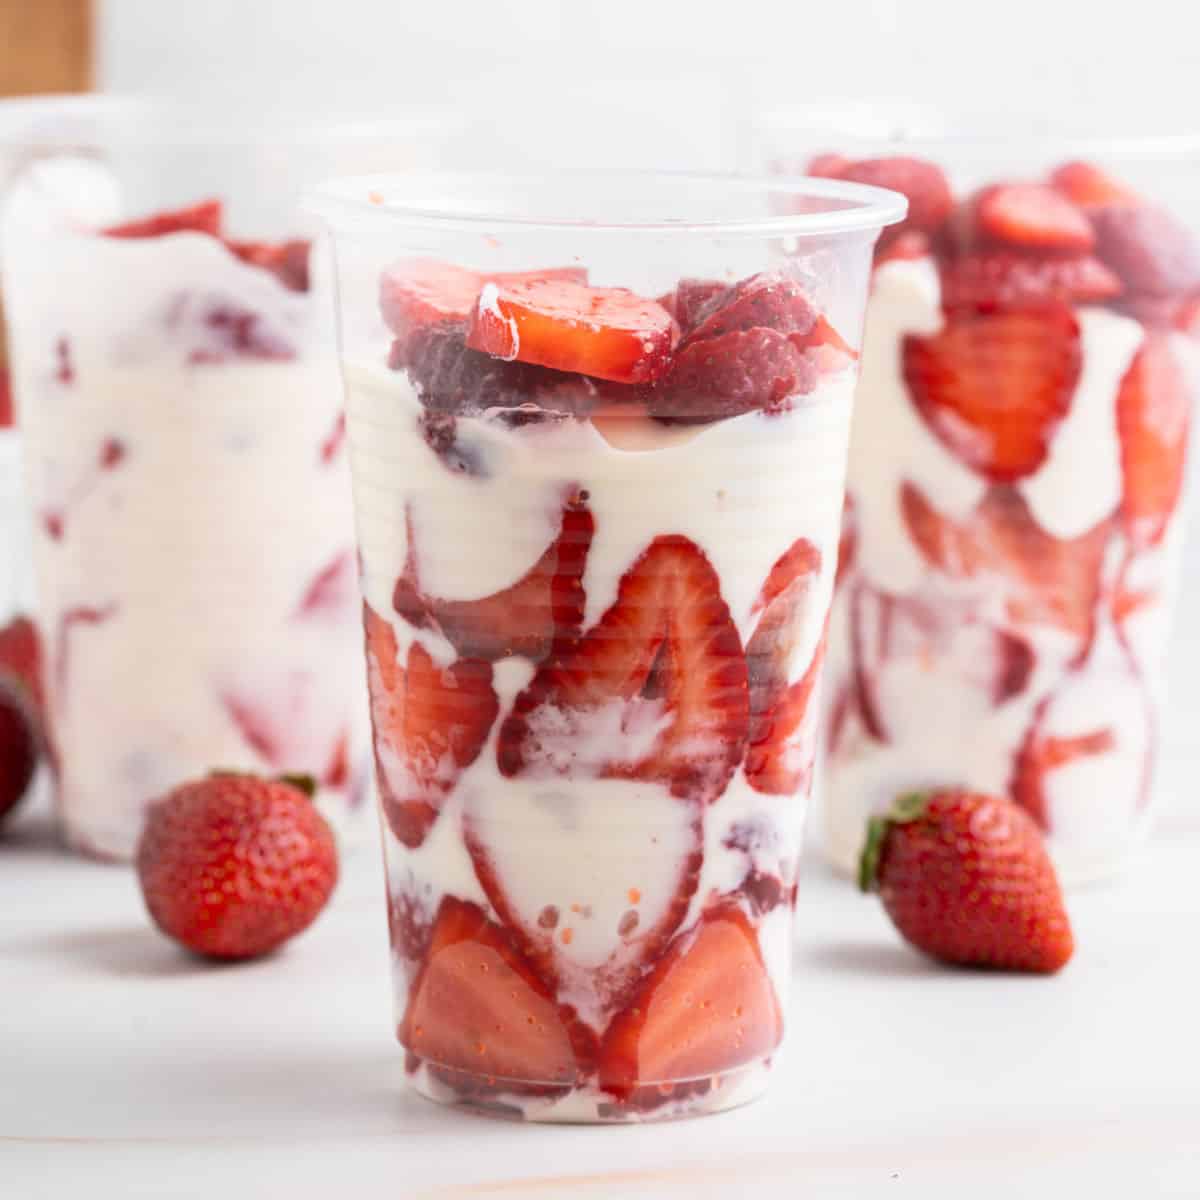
x,y
597,425
1017,474
175,379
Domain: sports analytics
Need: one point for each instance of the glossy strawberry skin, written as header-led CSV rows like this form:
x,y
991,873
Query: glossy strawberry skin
x,y
232,866
966,879
22,717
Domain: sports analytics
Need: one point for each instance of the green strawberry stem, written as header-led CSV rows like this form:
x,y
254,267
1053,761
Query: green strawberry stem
x,y
904,809
301,782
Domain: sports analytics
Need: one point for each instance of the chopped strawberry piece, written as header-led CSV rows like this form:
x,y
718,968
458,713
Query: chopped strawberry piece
x,y
1088,186
1046,579
671,594
287,261
829,166
1033,216
736,373
769,300
1148,248
450,378
430,723
214,329
1041,754
909,245
993,387
708,1007
331,589
930,201
204,217
1002,279
544,607
606,333
417,292
779,757
477,1007
1154,412
689,299
794,568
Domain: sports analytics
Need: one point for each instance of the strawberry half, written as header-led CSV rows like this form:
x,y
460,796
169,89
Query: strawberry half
x,y
605,333
544,606
707,1008
430,723
1154,413
993,387
477,1008
670,598
966,879
1046,579
1088,186
204,217
418,292
1033,216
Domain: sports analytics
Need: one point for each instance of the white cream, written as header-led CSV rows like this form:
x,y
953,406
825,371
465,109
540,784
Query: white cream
x,y
191,505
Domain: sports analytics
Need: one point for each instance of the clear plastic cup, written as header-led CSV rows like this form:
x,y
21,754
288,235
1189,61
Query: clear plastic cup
x,y
597,427
1017,472
175,376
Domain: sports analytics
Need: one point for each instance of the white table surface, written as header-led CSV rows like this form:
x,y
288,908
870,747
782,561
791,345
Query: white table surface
x,y
128,1069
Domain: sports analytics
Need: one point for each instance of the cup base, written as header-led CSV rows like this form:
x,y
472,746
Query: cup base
x,y
587,1104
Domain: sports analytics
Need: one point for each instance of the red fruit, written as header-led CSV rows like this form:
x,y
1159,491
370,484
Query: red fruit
x,y
204,217
670,596
232,866
966,879
1154,412
993,388
7,408
215,330
930,200
908,246
779,757
828,166
848,542
1001,279
1148,248
740,372
707,1007
418,292
287,261
430,723
689,300
332,588
22,713
606,333
478,1008
769,300
1046,579
1088,186
1040,754
1033,216
543,607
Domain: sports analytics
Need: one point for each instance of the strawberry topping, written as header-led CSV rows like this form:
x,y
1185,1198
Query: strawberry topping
x,y
287,261
1154,412
993,387
1032,216
930,200
607,333
204,217
698,718
770,300
1088,186
1002,279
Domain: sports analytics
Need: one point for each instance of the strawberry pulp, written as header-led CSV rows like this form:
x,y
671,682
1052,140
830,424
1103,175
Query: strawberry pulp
x,y
608,740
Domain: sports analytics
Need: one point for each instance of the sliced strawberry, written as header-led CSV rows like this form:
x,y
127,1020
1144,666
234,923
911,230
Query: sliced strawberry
x,y
740,372
993,387
334,440
287,261
1154,412
8,415
417,292
689,299
1046,579
1088,186
430,723
848,542
605,333
794,567
707,1008
769,300
930,200
332,588
1001,279
909,245
22,711
828,166
781,750
1040,755
672,594
1033,216
204,217
478,1008
1148,248
543,607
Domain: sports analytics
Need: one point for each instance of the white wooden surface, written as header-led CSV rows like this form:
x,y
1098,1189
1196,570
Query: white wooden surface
x,y
130,1070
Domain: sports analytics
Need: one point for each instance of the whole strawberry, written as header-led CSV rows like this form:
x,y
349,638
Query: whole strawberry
x,y
21,724
966,878
233,865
